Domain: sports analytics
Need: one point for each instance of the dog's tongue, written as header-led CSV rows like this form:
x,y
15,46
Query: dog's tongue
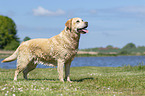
x,y
85,30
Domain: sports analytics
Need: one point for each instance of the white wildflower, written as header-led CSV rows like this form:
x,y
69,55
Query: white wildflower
x,y
4,88
42,88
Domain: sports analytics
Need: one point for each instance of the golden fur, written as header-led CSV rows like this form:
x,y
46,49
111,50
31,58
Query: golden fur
x,y
58,51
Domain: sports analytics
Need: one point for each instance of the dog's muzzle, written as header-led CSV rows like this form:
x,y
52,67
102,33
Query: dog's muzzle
x,y
83,30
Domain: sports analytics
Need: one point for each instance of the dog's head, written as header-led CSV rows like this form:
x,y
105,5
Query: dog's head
x,y
77,25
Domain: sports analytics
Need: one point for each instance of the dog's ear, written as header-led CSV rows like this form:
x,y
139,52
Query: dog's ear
x,y
68,24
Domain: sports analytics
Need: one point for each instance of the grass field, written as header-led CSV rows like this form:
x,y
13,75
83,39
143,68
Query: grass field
x,y
87,81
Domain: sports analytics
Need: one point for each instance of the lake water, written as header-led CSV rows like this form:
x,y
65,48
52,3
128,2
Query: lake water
x,y
92,61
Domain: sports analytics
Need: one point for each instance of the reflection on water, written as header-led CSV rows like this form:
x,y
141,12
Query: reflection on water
x,y
92,61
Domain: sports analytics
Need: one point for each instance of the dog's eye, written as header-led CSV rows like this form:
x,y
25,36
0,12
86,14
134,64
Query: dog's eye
x,y
77,21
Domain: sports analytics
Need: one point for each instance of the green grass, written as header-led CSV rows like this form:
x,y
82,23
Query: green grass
x,y
87,81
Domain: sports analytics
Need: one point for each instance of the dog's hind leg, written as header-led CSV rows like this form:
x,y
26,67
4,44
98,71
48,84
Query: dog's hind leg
x,y
16,74
19,69
31,66
22,64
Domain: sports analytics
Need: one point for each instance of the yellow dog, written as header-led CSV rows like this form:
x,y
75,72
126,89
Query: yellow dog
x,y
58,51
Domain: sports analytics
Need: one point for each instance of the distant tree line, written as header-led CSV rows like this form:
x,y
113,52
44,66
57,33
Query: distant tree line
x,y
128,49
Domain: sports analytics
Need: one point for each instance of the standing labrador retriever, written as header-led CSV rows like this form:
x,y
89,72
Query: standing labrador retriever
x,y
58,51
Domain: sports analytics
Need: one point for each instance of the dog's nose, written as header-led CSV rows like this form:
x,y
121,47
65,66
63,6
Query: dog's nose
x,y
86,23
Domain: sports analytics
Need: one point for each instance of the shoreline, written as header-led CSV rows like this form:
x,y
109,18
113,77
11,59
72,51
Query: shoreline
x,y
4,54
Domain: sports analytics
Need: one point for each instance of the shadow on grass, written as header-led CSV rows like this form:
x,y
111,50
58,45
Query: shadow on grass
x,y
78,80
42,79
81,80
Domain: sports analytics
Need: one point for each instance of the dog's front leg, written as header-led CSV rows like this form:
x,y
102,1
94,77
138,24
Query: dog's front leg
x,y
60,69
67,72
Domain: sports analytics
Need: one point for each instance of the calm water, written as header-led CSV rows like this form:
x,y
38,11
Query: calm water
x,y
92,61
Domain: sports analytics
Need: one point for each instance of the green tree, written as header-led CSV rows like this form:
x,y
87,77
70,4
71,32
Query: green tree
x,y
129,46
109,46
124,52
12,46
7,31
26,38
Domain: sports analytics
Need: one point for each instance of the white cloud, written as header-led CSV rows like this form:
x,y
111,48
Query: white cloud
x,y
133,9
127,11
40,11
93,11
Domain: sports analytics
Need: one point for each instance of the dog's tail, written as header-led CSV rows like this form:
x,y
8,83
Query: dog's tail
x,y
12,57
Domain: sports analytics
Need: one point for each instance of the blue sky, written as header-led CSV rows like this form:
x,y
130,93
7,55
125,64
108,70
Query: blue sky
x,y
111,22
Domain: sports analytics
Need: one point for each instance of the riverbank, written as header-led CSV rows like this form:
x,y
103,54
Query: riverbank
x,y
87,81
4,54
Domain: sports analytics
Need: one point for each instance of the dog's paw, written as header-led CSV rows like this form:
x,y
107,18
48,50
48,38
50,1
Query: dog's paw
x,y
69,81
61,80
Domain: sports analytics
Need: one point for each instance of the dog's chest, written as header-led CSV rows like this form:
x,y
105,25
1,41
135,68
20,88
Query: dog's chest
x,y
50,58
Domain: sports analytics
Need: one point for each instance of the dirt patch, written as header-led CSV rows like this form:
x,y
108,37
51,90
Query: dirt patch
x,y
85,52
6,52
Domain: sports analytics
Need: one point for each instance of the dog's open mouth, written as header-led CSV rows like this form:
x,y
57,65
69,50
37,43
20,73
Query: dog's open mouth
x,y
83,30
